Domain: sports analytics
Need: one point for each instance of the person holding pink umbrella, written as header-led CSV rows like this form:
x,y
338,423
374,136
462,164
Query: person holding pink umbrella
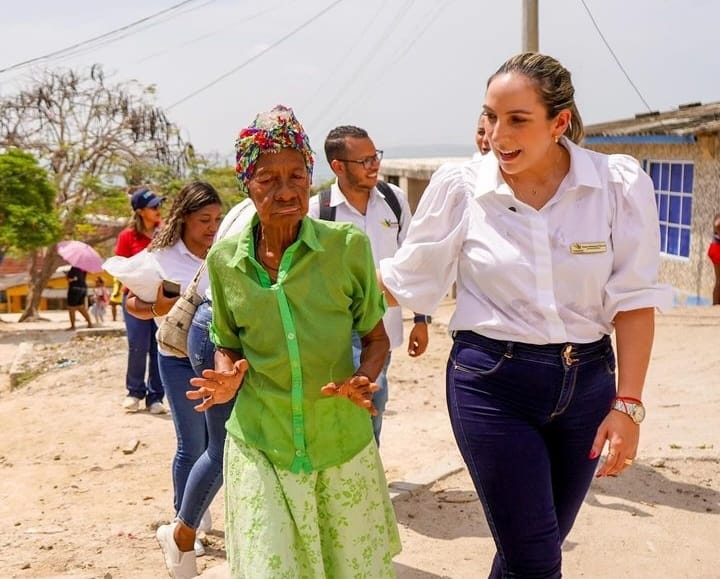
x,y
82,259
76,296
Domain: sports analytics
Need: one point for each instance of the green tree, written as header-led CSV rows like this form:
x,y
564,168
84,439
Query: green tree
x,y
220,176
28,219
223,178
87,133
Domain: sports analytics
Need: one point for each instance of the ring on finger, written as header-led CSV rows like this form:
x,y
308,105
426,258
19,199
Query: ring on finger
x,y
628,461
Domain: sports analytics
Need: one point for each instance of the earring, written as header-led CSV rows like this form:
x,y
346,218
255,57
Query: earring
x,y
557,138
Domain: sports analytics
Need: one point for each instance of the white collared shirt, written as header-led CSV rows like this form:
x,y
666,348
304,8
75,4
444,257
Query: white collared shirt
x,y
180,265
381,226
556,275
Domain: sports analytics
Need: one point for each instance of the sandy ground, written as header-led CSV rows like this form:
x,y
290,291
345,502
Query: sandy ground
x,y
84,485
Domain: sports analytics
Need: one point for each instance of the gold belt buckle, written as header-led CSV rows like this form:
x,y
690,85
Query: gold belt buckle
x,y
567,355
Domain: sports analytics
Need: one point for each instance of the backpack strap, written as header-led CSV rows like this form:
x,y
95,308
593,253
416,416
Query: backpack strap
x,y
392,201
327,213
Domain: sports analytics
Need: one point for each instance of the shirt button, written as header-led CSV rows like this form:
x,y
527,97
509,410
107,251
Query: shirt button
x,y
291,336
299,453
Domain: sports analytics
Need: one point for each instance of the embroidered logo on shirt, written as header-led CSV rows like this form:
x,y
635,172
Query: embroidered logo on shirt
x,y
388,223
588,247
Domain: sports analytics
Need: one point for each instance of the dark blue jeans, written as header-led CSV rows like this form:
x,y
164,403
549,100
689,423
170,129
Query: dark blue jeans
x,y
380,398
142,357
524,418
190,431
204,479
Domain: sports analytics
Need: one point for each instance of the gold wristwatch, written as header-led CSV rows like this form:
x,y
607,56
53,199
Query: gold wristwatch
x,y
630,406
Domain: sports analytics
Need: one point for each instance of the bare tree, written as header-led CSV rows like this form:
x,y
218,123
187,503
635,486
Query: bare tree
x,y
88,134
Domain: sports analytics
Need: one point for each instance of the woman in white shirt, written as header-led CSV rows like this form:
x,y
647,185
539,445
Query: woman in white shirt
x,y
180,247
552,247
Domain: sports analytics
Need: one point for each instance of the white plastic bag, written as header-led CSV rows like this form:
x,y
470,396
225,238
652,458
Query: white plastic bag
x,y
141,274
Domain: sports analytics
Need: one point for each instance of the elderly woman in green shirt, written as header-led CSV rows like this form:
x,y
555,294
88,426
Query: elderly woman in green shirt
x,y
306,494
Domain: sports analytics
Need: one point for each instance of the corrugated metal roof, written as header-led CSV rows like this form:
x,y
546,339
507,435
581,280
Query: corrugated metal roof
x,y
690,119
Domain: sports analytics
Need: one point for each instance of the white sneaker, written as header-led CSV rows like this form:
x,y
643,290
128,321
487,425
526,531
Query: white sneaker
x,y
206,522
198,547
157,408
131,404
180,565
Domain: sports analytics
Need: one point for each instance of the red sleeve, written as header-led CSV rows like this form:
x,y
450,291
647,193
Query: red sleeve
x,y
123,247
714,253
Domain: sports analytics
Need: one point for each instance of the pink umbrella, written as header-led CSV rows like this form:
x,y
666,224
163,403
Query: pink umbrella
x,y
80,255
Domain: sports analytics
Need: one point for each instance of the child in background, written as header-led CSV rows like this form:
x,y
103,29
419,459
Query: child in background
x,y
101,297
116,298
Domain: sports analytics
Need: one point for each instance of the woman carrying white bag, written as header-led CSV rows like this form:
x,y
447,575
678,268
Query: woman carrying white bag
x,y
142,378
180,248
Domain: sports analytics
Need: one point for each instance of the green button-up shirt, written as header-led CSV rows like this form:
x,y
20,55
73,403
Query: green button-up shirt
x,y
296,336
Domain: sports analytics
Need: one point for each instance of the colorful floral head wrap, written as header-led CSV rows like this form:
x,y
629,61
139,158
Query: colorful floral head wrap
x,y
271,131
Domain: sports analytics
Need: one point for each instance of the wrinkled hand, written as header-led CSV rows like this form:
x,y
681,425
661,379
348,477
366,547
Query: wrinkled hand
x,y
357,389
217,387
418,342
623,436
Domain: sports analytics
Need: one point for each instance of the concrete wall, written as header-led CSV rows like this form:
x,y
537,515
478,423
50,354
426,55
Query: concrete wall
x,y
412,175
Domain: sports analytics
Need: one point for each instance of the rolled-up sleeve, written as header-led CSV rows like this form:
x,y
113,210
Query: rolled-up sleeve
x,y
424,268
633,283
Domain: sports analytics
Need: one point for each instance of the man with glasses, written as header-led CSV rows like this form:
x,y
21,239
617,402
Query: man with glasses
x,y
382,211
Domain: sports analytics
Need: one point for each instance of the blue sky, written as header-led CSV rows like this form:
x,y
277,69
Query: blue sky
x,y
410,72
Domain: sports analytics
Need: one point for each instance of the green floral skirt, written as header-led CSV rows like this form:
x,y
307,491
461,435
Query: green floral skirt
x,y
332,524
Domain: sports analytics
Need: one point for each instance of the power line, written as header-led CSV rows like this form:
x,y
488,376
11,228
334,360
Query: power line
x,y
256,56
141,27
207,35
321,87
617,60
372,52
432,19
78,45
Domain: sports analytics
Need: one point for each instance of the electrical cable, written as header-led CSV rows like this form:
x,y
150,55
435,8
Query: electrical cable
x,y
79,45
339,63
617,60
372,53
95,46
122,35
207,35
255,57
439,9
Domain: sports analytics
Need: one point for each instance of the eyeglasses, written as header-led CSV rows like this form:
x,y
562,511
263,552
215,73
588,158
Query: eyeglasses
x,y
367,162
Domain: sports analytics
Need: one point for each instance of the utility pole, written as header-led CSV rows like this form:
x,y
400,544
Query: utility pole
x,y
530,41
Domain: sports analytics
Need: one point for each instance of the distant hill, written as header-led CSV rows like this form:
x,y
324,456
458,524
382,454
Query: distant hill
x,y
423,151
323,172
